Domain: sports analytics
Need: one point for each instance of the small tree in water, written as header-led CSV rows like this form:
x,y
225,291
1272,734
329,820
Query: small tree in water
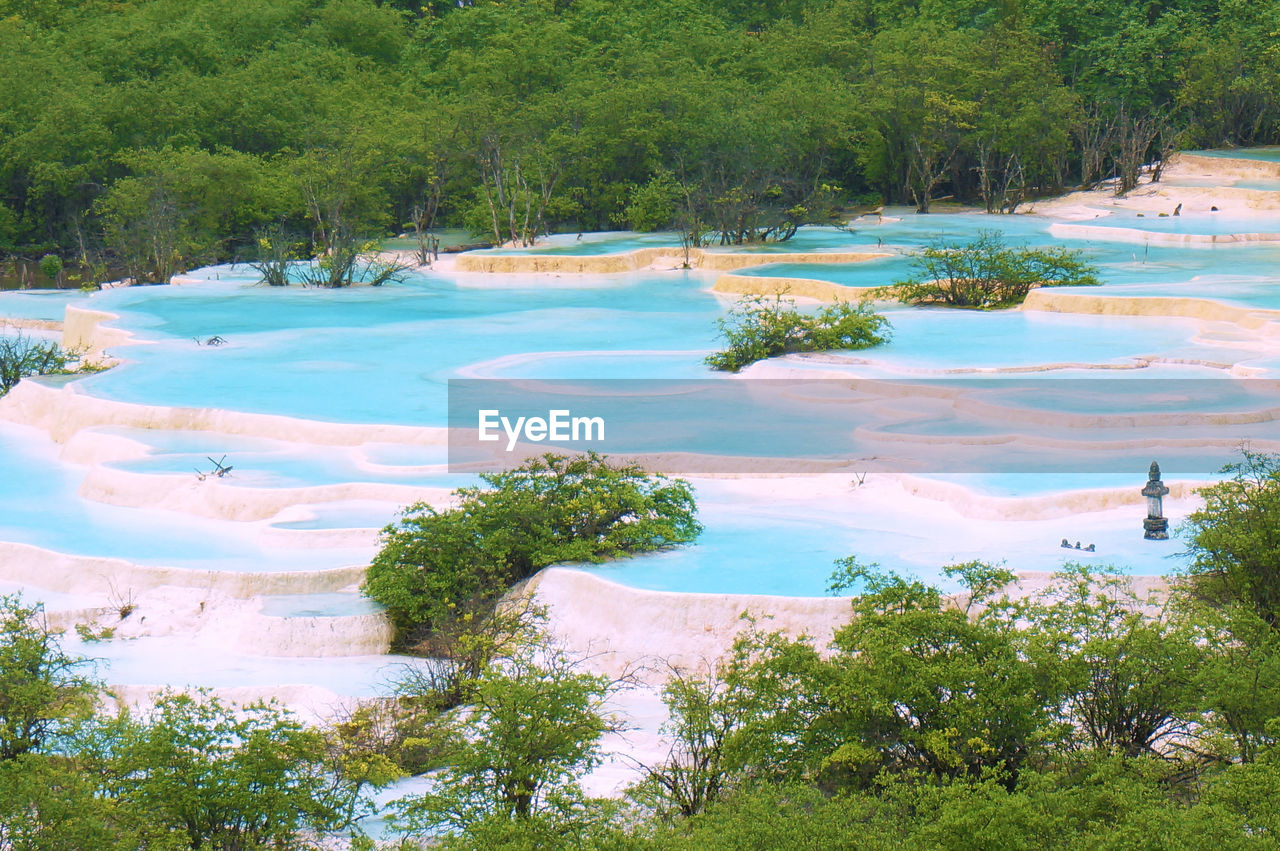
x,y
21,356
759,328
985,273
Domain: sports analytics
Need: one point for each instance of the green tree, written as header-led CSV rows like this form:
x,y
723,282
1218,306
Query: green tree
x,y
435,566
516,756
759,328
57,803
22,356
1235,537
1239,676
734,721
918,684
919,108
986,273
43,689
1125,667
230,777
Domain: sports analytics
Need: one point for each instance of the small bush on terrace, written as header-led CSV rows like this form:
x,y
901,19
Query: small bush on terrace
x,y
759,328
985,273
21,356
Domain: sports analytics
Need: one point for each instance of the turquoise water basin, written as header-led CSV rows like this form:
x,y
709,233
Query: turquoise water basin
x,y
767,545
42,508
1267,154
379,355
38,304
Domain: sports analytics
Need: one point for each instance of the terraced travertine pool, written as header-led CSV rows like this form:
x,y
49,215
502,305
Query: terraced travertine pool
x,y
331,408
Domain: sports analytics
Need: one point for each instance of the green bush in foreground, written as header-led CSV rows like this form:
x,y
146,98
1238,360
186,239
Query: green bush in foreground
x,y
437,566
21,356
759,328
985,273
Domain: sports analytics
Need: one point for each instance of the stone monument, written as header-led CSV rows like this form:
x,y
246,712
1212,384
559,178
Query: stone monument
x,y
1156,526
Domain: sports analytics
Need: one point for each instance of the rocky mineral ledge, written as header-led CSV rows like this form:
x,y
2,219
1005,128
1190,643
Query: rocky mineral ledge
x,y
643,258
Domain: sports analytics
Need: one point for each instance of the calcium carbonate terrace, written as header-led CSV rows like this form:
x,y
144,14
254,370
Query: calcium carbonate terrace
x,y
330,405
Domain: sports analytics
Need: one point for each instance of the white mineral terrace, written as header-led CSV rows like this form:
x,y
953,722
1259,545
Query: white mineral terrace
x,y
329,408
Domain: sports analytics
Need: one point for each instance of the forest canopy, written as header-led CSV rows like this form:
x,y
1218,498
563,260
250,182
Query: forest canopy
x,y
150,136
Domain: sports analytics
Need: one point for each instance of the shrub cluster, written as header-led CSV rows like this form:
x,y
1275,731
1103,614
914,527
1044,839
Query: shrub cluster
x,y
760,328
435,566
986,273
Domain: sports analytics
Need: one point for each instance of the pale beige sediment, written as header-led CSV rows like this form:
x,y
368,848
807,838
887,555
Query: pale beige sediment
x,y
99,575
1075,231
86,331
1163,197
1047,507
63,411
1232,167
622,630
274,536
222,500
31,324
622,627
801,287
640,258
1054,301
344,635
1062,446
722,261
233,625
314,704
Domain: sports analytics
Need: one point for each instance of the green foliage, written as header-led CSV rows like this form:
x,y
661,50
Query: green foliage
x,y
764,115
653,205
1089,802
732,720
21,356
985,273
230,777
920,685
1235,537
51,267
1125,668
759,328
516,755
436,566
53,803
43,690
1239,675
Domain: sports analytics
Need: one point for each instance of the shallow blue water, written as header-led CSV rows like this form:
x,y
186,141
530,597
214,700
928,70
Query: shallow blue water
x,y
41,507
38,304
756,545
380,355
384,356
1268,154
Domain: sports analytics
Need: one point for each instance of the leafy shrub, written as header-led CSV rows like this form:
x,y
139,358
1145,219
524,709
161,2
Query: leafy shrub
x,y
759,328
21,356
653,206
985,273
437,566
1235,537
231,776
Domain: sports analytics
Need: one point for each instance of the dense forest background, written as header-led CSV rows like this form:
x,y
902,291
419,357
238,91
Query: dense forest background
x,y
148,136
